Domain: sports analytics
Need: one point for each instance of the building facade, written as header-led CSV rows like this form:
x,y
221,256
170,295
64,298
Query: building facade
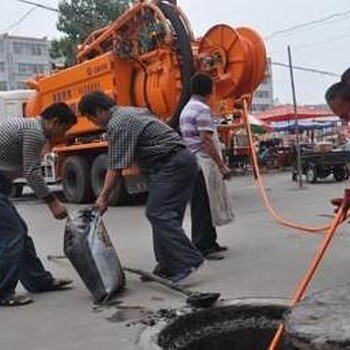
x,y
20,59
263,96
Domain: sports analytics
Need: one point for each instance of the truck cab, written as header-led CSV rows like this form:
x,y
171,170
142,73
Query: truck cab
x,y
13,103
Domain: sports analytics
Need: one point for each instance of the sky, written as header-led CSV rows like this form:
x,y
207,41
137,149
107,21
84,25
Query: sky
x,y
323,46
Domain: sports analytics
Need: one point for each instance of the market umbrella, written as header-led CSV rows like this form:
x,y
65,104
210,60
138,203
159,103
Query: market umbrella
x,y
257,125
302,125
286,112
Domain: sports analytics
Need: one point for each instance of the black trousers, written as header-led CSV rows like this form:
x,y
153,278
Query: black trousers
x,y
18,258
203,232
169,192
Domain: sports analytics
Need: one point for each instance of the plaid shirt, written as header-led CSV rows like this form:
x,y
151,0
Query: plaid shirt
x,y
135,135
195,117
21,143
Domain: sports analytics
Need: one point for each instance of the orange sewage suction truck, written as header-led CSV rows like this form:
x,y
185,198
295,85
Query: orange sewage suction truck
x,y
144,58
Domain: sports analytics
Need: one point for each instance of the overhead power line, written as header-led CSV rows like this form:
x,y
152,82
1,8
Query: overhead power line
x,y
18,22
310,23
39,5
306,69
314,43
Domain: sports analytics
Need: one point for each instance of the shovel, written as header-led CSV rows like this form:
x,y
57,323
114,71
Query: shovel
x,y
195,299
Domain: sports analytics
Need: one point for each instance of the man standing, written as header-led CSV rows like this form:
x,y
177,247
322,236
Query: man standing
x,y
211,205
134,135
21,143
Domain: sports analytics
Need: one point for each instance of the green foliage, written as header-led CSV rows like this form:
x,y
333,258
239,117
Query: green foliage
x,y
63,48
78,18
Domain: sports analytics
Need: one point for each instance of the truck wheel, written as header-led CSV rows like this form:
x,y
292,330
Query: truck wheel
x,y
98,172
17,190
347,175
311,174
340,173
76,180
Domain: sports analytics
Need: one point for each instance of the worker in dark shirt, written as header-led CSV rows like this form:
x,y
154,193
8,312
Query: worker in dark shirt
x,y
21,143
136,136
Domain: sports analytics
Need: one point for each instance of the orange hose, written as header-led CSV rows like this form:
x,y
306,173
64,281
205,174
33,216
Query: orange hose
x,y
305,281
261,186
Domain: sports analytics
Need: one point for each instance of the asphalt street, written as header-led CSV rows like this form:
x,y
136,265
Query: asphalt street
x,y
264,260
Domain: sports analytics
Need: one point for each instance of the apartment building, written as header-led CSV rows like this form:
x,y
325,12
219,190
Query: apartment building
x,y
20,59
263,96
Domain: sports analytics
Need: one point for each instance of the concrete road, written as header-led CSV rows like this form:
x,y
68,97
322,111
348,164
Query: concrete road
x,y
264,260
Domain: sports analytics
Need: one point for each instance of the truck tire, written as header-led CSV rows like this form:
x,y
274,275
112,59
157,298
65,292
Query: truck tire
x,y
311,174
347,174
16,191
97,175
76,180
340,173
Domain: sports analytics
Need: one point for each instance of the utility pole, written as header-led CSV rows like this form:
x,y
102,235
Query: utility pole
x,y
295,118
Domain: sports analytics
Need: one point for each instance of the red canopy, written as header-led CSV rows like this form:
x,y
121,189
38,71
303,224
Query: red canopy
x,y
286,112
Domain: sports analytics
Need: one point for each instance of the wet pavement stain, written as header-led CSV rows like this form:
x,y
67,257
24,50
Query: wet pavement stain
x,y
127,313
96,308
157,299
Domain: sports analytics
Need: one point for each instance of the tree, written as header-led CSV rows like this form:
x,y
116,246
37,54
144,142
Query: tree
x,y
63,48
78,18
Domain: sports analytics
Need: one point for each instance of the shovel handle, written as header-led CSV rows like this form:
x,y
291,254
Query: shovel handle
x,y
160,280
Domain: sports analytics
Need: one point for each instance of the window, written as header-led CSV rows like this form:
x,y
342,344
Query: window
x,y
1,47
29,48
3,85
27,68
38,68
37,50
22,68
18,48
21,85
32,49
262,94
259,107
266,81
2,67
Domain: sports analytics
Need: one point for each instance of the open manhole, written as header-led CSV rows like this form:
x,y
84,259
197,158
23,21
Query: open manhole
x,y
241,326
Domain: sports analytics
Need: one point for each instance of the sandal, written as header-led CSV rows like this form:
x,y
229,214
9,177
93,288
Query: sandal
x,y
15,300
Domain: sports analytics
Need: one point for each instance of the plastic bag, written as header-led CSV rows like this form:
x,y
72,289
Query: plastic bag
x,y
89,248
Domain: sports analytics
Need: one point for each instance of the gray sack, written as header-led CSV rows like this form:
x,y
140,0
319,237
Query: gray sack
x,y
88,247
